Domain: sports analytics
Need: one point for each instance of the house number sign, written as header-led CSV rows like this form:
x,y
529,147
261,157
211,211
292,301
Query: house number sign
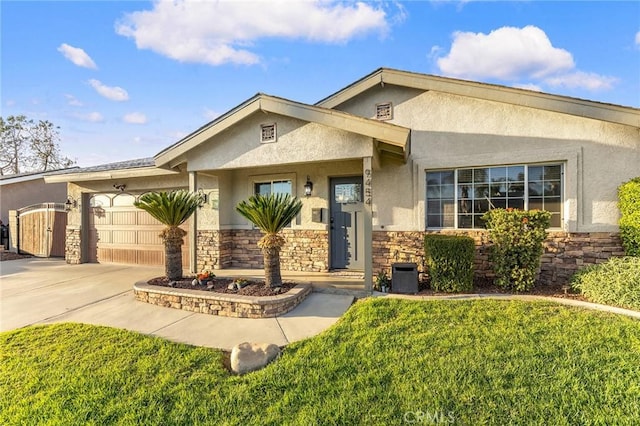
x,y
367,186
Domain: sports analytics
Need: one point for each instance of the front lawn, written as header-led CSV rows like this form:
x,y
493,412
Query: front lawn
x,y
385,362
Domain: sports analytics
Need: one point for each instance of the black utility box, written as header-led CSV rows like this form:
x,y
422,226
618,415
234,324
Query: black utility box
x,y
404,278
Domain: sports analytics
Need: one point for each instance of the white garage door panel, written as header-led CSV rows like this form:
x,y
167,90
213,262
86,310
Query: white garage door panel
x,y
120,233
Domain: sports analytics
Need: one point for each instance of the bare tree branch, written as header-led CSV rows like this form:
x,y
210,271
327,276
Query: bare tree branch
x,y
30,146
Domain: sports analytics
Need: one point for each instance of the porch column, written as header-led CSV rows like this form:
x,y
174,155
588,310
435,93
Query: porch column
x,y
367,175
193,228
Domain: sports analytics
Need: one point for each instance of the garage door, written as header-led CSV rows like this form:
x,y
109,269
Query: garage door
x,y
121,233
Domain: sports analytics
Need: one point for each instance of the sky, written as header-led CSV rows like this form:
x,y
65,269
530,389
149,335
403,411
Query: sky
x,y
125,79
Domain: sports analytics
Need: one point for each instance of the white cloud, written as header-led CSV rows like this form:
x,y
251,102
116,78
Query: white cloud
x,y
507,53
10,102
113,93
72,100
222,32
93,117
515,54
135,118
582,80
638,39
77,56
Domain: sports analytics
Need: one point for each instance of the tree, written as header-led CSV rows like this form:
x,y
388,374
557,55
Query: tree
x,y
270,213
12,144
171,209
45,152
28,146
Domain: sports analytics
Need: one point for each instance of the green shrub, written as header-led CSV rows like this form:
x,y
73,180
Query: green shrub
x,y
629,205
516,249
450,262
615,282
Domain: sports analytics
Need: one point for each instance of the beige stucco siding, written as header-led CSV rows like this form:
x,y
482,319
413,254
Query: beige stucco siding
x,y
450,131
297,142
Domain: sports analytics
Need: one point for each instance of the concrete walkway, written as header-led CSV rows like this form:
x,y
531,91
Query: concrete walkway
x,y
40,291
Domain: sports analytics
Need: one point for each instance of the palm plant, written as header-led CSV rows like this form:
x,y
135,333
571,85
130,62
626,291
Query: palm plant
x,y
270,213
171,209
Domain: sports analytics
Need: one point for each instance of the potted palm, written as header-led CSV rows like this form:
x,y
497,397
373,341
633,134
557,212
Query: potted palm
x,y
270,213
383,283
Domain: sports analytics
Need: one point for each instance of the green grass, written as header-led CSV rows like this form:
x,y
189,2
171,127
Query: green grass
x,y
386,361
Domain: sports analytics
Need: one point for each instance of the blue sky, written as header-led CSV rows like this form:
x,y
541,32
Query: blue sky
x,y
124,80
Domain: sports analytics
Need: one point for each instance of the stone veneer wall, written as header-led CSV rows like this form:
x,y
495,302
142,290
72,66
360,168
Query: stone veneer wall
x,y
565,253
213,250
73,251
228,305
304,250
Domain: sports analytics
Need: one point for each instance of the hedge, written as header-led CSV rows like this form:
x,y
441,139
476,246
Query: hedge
x,y
449,260
615,282
516,245
629,205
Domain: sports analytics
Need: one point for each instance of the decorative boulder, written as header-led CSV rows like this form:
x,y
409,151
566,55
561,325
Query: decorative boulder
x,y
246,357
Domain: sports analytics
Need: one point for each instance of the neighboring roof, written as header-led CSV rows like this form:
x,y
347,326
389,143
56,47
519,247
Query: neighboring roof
x,y
394,137
493,92
25,177
121,169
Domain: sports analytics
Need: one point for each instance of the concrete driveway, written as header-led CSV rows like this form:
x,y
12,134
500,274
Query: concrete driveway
x,y
40,291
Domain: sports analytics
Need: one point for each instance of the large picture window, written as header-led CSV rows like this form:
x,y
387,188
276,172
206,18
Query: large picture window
x,y
458,198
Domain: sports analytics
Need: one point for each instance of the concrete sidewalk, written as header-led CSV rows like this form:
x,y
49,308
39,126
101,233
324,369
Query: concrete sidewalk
x,y
40,291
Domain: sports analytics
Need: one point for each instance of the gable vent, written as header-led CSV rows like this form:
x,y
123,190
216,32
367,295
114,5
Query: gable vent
x,y
268,133
384,111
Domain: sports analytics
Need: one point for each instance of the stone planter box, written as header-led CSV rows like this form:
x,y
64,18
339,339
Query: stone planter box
x,y
224,304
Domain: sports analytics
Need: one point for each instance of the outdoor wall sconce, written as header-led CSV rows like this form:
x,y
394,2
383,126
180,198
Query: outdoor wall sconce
x,y
71,203
203,195
120,186
308,187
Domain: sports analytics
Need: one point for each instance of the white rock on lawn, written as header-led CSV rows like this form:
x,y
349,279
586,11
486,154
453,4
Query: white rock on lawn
x,y
246,357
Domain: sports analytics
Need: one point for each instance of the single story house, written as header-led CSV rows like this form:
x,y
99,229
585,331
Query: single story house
x,y
376,164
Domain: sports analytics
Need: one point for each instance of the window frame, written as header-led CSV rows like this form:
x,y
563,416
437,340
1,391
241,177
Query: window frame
x,y
277,177
526,195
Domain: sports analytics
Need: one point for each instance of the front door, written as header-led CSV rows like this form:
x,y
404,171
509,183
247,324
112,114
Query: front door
x,y
346,220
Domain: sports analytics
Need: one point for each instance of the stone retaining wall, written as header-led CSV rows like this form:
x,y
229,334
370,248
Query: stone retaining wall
x,y
565,253
223,304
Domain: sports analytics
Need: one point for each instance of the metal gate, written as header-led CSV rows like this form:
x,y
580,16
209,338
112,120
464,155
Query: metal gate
x,y
42,229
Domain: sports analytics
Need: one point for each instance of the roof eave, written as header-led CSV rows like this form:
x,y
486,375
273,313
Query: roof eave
x,y
108,175
528,98
391,133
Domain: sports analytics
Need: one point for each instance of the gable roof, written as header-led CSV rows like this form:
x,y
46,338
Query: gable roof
x,y
493,92
390,137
